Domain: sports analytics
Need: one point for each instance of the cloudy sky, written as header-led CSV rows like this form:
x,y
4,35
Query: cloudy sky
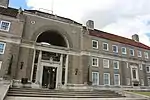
x,y
121,17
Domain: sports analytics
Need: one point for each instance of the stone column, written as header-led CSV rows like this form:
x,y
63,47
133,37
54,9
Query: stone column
x,y
66,70
39,68
59,74
33,65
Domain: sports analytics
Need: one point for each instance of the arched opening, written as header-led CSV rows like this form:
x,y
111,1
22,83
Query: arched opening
x,y
53,38
53,63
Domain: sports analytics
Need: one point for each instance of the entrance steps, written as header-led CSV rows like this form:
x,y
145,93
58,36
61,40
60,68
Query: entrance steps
x,y
46,93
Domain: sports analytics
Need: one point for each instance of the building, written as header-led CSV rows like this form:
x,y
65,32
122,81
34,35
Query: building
x,y
53,51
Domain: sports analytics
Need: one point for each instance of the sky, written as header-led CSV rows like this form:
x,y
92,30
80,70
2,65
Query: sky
x,y
120,17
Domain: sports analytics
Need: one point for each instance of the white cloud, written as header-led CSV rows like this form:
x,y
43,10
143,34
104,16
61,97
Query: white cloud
x,y
122,17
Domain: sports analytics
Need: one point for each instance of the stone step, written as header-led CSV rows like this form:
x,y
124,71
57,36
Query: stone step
x,y
39,93
64,96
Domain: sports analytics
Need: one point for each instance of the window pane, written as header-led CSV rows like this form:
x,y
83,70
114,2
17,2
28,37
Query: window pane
x,y
132,52
95,78
105,63
147,68
4,25
116,79
106,79
123,50
95,44
105,46
134,73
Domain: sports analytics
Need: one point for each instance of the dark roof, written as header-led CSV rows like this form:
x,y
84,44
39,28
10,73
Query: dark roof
x,y
52,16
117,38
8,11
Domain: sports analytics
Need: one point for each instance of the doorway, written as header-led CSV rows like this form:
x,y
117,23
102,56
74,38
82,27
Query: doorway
x,y
49,77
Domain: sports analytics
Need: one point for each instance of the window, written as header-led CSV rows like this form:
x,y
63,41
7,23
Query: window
x,y
148,69
105,63
134,73
106,79
146,55
140,67
116,64
115,48
95,78
2,47
131,52
105,46
4,25
139,53
116,79
124,50
95,44
95,61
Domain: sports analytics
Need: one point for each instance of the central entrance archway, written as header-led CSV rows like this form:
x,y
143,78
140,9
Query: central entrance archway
x,y
49,67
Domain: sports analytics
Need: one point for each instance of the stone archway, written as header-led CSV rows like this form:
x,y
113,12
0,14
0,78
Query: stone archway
x,y
49,65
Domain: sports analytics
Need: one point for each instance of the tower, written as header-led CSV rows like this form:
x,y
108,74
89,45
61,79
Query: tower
x,y
4,3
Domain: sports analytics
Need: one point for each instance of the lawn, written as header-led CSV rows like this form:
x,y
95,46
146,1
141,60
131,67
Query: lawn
x,y
143,93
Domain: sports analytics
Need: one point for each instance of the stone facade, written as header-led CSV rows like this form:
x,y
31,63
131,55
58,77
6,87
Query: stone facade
x,y
21,53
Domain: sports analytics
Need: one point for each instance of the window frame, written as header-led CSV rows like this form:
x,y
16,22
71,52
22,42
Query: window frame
x,y
107,46
107,63
97,78
146,56
149,69
97,61
96,45
108,78
117,64
5,22
133,52
3,48
125,50
118,81
140,53
116,48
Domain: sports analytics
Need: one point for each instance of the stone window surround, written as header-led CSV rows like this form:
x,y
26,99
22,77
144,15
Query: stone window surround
x,y
146,55
116,48
5,22
125,50
108,78
96,41
3,48
117,64
139,53
96,77
106,61
118,79
130,52
104,43
97,59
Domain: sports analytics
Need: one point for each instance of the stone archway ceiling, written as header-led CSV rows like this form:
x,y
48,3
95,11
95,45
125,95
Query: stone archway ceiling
x,y
52,38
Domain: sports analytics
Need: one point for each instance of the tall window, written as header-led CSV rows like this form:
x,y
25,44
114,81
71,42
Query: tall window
x,y
95,78
116,79
95,61
2,47
105,46
4,25
134,73
105,63
124,50
106,79
115,48
95,44
148,69
131,52
139,53
116,64
146,55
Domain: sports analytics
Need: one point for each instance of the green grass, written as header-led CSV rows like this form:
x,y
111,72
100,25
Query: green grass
x,y
143,93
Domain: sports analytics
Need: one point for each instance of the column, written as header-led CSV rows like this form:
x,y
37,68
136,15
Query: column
x,y
33,65
38,68
66,70
59,73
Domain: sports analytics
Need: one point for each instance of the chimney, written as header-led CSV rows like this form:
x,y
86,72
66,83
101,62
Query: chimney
x,y
135,37
90,24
